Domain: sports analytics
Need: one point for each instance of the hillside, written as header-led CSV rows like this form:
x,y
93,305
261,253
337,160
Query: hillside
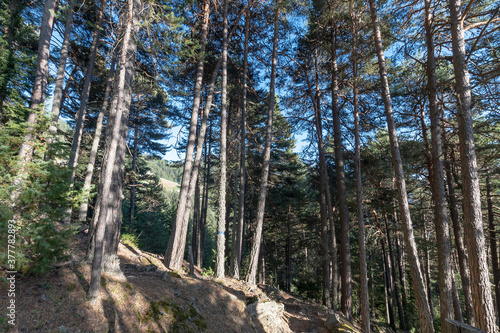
x,y
147,297
169,185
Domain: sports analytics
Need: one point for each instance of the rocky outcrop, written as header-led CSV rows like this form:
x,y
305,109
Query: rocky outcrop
x,y
270,315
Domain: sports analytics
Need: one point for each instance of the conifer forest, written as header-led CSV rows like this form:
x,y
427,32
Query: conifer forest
x,y
344,153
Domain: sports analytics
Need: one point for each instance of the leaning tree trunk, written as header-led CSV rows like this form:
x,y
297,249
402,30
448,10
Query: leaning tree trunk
x,y
171,257
424,312
82,216
261,204
127,57
484,314
345,251
37,98
437,186
221,224
61,71
77,137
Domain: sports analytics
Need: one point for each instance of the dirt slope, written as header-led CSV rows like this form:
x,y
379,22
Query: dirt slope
x,y
145,298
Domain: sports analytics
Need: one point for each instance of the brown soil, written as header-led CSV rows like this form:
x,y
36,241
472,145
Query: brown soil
x,y
144,299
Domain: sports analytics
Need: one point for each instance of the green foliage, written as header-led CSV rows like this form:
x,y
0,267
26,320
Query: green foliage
x,y
44,193
166,170
129,239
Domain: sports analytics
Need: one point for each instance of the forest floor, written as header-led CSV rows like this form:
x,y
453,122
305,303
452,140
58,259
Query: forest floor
x,y
145,297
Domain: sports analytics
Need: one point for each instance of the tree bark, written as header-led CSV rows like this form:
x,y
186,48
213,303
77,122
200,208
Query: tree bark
x,y
364,299
125,73
175,240
261,205
427,268
82,216
241,210
484,314
345,251
437,186
221,224
392,261
325,200
204,206
493,244
459,243
424,313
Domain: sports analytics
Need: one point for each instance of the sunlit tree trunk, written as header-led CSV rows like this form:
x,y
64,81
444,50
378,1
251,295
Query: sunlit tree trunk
x,y
171,255
114,151
261,205
82,216
238,246
437,186
221,224
484,314
424,312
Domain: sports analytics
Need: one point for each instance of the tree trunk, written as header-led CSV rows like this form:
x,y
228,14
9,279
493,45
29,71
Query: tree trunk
x,y
261,205
133,182
325,203
345,252
392,261
221,224
364,299
204,207
125,73
424,312
456,301
427,268
171,256
82,216
459,243
58,91
241,211
196,220
437,186
484,314
37,98
288,253
77,137
493,244
325,261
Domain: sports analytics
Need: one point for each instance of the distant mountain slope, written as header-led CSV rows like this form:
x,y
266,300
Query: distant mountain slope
x,y
166,170
169,185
